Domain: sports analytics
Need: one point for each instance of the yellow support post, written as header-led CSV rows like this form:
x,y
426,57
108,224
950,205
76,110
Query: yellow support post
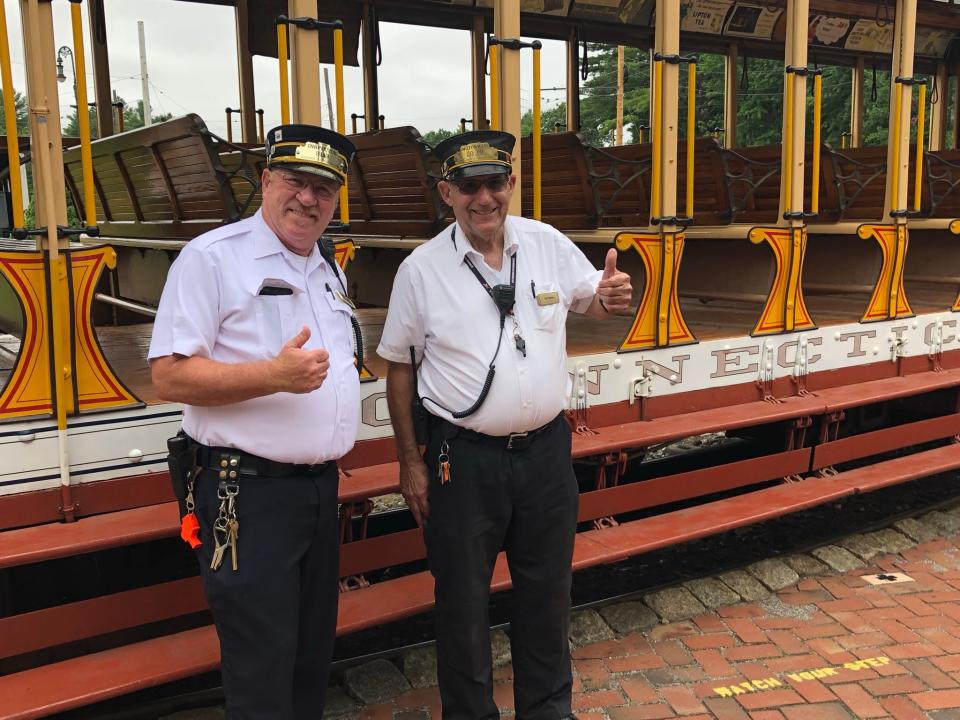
x,y
10,116
341,116
656,134
817,107
83,115
691,131
494,87
537,214
895,179
284,78
788,146
918,170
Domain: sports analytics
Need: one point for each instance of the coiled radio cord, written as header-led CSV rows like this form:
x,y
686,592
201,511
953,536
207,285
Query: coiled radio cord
x,y
487,383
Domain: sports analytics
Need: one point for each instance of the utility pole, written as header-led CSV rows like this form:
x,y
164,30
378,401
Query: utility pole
x,y
619,136
144,77
326,84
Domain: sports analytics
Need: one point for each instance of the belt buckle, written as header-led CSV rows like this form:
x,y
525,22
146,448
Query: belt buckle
x,y
515,436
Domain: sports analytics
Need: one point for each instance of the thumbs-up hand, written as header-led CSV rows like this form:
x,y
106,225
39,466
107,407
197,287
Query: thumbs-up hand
x,y
297,370
614,290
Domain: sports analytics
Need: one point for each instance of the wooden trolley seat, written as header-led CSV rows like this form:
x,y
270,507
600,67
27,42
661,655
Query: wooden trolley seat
x,y
166,181
392,185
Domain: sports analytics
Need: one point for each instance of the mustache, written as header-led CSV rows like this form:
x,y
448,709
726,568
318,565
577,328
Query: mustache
x,y
305,210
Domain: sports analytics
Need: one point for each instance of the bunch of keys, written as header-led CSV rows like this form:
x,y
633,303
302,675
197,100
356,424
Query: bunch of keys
x,y
229,530
226,528
443,463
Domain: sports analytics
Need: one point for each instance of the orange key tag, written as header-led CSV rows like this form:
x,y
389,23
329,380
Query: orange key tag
x,y
190,530
443,463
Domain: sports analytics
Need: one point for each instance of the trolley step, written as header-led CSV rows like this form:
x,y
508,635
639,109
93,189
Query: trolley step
x,y
97,532
110,673
92,678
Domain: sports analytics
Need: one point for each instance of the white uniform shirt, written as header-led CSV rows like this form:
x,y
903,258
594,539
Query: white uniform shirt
x,y
211,307
440,308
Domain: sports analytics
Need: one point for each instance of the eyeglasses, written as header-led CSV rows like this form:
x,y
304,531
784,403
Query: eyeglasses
x,y
319,188
493,183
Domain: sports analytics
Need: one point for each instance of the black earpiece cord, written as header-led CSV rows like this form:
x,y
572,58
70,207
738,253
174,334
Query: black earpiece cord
x,y
328,252
491,368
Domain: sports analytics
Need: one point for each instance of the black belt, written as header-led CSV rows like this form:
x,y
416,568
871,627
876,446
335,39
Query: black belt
x,y
513,441
210,457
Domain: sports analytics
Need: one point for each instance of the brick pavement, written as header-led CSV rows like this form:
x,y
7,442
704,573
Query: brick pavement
x,y
831,647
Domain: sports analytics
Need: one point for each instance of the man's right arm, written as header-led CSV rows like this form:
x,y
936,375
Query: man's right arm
x,y
204,382
413,470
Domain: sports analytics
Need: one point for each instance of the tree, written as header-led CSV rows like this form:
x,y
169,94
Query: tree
x,y
435,136
760,90
72,127
132,118
20,108
551,120
133,115
598,102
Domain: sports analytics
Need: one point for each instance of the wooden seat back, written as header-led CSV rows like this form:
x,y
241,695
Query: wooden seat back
x,y
585,187
752,177
621,180
711,201
244,168
622,175
940,192
859,178
568,201
165,181
392,185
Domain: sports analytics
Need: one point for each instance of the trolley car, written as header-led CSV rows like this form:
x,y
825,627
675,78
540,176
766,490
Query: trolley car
x,y
800,298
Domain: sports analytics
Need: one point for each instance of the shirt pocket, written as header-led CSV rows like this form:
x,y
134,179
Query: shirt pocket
x,y
275,325
547,304
341,312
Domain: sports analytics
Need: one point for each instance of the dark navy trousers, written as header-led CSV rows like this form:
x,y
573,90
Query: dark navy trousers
x,y
276,616
523,502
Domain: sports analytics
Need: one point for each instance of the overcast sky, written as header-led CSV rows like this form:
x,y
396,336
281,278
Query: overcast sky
x,y
191,62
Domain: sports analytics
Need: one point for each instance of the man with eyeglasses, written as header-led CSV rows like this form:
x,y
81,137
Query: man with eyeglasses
x,y
253,335
476,343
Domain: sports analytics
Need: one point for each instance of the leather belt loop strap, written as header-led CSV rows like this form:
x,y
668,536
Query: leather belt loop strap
x,y
254,465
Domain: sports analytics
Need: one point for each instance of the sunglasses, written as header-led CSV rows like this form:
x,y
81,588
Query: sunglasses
x,y
319,189
493,183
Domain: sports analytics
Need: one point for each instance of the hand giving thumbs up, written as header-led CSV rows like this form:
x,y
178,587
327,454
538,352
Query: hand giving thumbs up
x,y
614,290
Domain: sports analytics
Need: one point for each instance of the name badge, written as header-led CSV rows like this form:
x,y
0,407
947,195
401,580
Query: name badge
x,y
345,299
548,298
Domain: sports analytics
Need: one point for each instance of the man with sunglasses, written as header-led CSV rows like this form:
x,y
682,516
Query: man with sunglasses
x,y
480,310
253,335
